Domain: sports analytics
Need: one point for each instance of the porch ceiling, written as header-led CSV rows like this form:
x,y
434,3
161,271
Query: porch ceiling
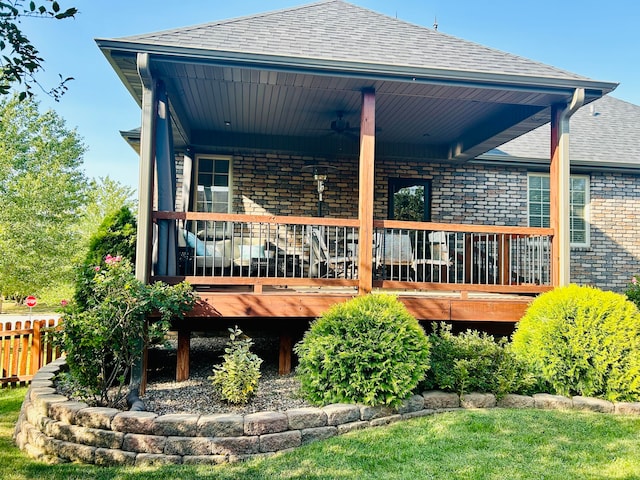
x,y
242,107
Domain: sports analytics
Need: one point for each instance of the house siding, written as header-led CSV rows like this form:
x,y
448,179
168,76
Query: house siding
x,y
614,252
272,184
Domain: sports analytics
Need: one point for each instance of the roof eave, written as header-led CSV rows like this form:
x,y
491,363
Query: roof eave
x,y
537,163
177,54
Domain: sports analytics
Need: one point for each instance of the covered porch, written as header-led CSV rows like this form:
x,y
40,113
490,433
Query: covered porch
x,y
229,126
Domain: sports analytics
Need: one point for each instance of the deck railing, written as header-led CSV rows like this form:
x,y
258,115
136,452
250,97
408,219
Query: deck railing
x,y
472,257
229,249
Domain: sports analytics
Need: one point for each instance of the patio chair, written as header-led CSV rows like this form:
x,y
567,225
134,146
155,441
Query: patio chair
x,y
435,267
394,255
325,265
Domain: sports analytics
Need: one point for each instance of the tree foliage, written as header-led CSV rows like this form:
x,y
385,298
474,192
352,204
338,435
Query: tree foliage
x,y
115,235
105,196
42,188
408,204
20,60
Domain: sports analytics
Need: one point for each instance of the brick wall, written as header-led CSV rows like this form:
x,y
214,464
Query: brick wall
x,y
473,194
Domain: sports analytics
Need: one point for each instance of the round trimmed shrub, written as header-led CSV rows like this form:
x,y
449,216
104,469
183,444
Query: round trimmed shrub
x,y
368,350
582,341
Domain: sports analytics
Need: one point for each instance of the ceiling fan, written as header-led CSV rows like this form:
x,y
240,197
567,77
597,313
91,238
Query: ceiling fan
x,y
342,126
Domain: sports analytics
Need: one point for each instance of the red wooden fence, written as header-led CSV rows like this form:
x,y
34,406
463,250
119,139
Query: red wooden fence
x,y
24,348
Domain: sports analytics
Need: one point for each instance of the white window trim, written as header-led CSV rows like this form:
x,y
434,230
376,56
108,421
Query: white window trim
x,y
587,206
229,158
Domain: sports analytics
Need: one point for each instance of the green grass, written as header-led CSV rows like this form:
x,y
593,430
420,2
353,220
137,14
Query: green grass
x,y
471,444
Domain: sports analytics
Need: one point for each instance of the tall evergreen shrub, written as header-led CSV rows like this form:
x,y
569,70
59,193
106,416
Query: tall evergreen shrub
x,y
116,236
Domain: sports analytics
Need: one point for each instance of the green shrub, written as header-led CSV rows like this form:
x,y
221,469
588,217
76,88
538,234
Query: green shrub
x,y
237,377
368,350
474,362
633,290
582,341
105,339
116,236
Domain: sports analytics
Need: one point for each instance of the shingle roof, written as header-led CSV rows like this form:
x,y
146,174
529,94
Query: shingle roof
x,y
606,132
334,30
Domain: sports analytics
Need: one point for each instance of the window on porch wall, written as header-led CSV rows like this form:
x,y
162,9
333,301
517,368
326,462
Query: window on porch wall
x,y
539,201
213,191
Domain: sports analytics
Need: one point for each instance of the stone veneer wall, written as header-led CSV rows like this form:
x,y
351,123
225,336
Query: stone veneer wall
x,y
614,252
53,428
271,184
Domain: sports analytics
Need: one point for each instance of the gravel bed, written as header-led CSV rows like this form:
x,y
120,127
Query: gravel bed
x,y
197,395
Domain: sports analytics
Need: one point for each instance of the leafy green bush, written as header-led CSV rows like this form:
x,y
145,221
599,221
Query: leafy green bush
x,y
368,350
116,236
633,291
104,340
237,377
582,341
474,361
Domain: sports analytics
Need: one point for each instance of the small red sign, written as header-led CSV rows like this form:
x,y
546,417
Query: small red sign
x,y
31,301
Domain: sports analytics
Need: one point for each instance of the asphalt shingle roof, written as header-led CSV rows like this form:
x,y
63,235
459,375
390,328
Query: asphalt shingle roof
x,y
606,131
334,30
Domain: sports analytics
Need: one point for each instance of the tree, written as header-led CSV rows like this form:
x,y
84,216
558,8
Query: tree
x,y
104,197
42,188
408,204
20,61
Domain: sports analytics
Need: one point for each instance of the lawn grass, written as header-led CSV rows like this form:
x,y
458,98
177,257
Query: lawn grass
x,y
465,444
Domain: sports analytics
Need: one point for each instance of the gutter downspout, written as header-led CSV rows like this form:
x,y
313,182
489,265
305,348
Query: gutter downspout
x,y
145,197
560,185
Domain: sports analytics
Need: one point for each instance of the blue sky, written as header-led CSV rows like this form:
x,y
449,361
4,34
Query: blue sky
x,y
595,39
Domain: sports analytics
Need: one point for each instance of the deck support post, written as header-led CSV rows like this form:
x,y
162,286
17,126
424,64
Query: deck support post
x,y
182,361
559,185
286,353
366,187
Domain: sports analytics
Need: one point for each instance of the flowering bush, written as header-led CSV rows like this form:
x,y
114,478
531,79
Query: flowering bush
x,y
105,339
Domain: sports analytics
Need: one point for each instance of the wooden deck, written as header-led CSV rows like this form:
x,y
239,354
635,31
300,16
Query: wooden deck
x,y
312,302
288,311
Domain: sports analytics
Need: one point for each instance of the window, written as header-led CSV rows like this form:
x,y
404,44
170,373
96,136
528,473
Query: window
x,y
539,201
410,199
213,187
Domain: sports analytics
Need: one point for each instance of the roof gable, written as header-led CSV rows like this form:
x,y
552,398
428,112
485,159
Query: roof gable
x,y
605,133
334,30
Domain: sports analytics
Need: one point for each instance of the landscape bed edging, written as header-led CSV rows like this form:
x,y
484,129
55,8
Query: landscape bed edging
x,y
54,429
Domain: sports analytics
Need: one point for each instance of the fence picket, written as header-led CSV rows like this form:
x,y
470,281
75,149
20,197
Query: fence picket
x,y
23,351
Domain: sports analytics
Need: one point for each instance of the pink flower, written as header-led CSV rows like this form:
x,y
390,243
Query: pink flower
x,y
63,302
634,280
109,260
96,268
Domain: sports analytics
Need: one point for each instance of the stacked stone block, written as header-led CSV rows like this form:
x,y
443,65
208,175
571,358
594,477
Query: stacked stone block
x,y
55,429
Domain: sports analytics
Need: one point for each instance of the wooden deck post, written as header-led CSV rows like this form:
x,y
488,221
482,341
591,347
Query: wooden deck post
x,y
366,189
286,352
182,362
559,186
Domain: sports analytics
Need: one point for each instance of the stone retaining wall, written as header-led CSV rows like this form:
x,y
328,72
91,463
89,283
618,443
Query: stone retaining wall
x,y
55,429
